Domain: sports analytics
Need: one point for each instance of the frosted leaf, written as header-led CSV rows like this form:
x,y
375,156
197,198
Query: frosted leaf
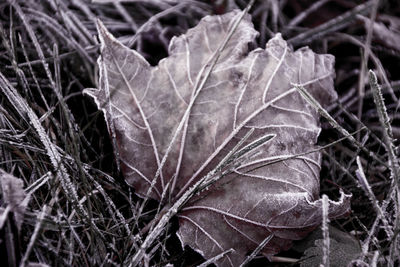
x,y
171,130
13,196
343,250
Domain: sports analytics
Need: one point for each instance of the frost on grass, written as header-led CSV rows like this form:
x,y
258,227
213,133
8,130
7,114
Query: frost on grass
x,y
174,123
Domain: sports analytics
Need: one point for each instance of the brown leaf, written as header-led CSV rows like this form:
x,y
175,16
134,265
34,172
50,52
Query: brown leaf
x,y
171,127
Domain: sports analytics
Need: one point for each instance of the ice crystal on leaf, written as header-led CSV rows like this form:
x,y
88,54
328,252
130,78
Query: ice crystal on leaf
x,y
173,124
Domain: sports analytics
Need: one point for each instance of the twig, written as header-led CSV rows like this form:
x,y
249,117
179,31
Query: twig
x,y
374,58
216,258
368,190
392,157
387,128
34,236
332,25
310,99
155,17
304,14
257,250
325,231
364,62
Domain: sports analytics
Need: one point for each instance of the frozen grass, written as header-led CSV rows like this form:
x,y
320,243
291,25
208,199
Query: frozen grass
x,y
81,212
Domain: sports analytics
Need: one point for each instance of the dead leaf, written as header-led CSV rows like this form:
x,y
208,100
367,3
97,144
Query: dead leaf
x,y
14,197
171,127
344,248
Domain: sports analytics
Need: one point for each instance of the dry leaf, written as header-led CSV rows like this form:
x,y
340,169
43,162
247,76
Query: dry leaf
x,y
14,196
164,118
343,249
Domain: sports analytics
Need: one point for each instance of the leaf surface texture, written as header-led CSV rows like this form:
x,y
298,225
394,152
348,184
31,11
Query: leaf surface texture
x,y
171,130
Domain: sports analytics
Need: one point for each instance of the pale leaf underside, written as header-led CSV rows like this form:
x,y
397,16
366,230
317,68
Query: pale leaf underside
x,y
170,128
